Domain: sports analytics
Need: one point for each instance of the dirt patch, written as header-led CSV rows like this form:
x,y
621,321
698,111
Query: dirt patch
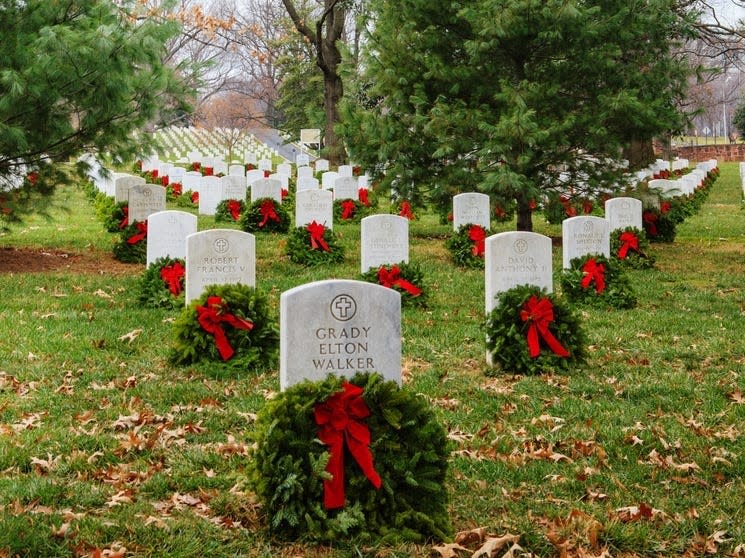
x,y
33,260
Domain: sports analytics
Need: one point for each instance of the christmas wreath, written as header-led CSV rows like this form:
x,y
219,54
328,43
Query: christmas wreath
x,y
630,248
174,190
595,279
367,198
658,224
265,215
314,244
132,244
229,211
162,283
113,215
404,209
504,209
188,199
467,246
405,278
386,485
228,324
348,211
530,332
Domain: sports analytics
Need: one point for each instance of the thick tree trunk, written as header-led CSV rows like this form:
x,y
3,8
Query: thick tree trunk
x,y
333,91
524,215
639,153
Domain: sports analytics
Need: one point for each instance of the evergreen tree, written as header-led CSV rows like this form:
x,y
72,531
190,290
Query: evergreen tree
x,y
514,98
76,76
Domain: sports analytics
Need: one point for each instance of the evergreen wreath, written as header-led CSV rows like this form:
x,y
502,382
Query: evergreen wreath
x,y
112,214
504,209
174,190
410,454
508,332
162,283
596,280
265,215
300,246
229,211
188,199
406,278
467,246
253,349
659,225
630,248
132,244
368,198
349,211
404,209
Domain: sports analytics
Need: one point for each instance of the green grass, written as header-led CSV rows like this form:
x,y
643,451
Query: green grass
x,y
102,434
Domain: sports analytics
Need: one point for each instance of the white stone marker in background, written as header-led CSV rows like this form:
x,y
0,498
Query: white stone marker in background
x,y
166,234
471,208
314,205
144,200
623,212
584,235
385,240
266,188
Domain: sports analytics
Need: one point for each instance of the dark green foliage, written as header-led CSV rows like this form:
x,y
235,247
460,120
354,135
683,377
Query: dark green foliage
x,y
658,226
79,77
462,248
130,252
154,290
358,212
506,334
186,200
255,350
618,292
635,259
252,218
300,251
410,272
110,212
410,453
223,214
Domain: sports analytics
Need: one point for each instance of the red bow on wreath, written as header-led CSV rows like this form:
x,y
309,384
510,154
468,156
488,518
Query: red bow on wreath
x,y
540,313
594,272
195,197
172,275
392,277
234,206
340,419
650,222
164,181
347,209
362,194
406,210
125,220
317,230
268,212
140,235
211,317
630,242
477,234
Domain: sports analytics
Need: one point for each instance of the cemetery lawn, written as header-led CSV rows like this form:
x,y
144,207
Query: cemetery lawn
x,y
106,450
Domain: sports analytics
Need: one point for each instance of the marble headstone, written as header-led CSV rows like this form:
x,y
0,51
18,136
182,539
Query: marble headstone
x,y
385,240
622,213
584,235
144,200
167,232
471,208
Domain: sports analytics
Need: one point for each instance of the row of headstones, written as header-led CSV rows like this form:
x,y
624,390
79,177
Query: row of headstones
x,y
686,184
659,166
177,140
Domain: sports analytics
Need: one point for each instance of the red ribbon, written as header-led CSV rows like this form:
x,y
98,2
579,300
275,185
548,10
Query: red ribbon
x,y
211,317
340,419
362,194
347,209
284,193
195,197
665,207
594,272
172,275
267,212
154,173
177,188
234,206
392,277
477,234
650,220
499,212
540,313
208,171
164,180
317,231
33,177
630,242
140,235
406,210
196,166
125,220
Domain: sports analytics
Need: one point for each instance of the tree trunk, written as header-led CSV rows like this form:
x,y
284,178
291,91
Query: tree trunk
x,y
639,153
524,215
333,90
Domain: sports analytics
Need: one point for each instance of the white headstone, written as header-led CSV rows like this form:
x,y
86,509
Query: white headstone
x,y
122,184
582,236
210,193
237,170
385,241
233,187
283,179
167,232
328,179
516,258
471,208
322,165
220,167
345,187
265,164
285,169
177,175
254,175
304,172
266,188
302,160
622,213
345,170
192,181
307,183
314,205
219,257
144,200
346,327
